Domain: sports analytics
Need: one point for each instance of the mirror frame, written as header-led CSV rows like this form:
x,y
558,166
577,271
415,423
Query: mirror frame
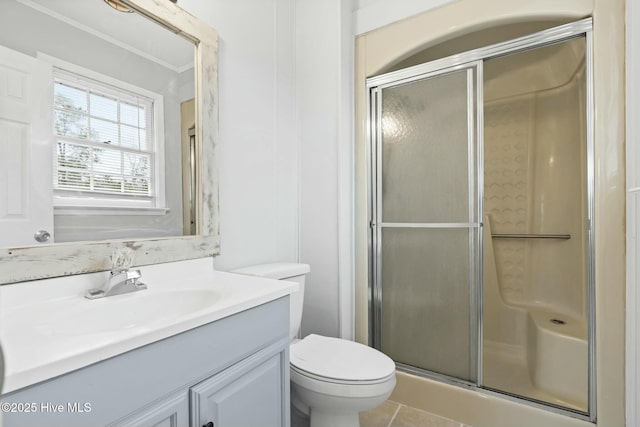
x,y
20,264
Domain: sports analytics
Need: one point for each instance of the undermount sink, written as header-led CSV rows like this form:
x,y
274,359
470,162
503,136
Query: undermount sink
x,y
142,309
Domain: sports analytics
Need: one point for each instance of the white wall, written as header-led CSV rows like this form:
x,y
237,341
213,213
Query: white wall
x,y
285,85
324,58
258,151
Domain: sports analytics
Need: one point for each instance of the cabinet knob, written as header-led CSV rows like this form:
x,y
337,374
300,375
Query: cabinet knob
x,y
209,424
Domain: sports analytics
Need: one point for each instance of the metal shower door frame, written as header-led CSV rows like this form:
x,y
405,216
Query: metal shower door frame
x,y
559,34
475,172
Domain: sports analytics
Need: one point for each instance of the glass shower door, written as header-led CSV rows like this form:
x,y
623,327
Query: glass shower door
x,y
425,227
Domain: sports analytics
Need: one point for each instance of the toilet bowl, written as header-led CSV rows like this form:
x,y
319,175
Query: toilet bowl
x,y
332,379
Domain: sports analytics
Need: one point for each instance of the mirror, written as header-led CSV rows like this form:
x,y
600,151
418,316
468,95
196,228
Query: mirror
x,y
107,135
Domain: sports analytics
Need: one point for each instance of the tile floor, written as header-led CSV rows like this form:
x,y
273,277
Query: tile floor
x,y
393,414
389,414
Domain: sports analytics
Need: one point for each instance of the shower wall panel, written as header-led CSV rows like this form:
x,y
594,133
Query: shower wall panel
x,y
509,136
534,177
559,201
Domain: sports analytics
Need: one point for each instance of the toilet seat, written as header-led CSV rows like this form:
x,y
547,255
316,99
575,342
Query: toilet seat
x,y
340,361
339,381
341,390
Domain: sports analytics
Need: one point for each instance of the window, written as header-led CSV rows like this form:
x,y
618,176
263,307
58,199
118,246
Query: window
x,y
106,153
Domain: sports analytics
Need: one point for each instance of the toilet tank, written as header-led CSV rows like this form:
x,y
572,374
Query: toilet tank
x,y
284,271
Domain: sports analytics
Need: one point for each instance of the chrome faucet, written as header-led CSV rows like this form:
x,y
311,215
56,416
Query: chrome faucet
x,y
118,282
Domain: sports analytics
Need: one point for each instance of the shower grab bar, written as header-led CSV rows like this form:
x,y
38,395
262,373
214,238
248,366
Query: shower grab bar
x,y
531,236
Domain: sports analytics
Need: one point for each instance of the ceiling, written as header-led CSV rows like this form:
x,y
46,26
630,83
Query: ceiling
x,y
130,31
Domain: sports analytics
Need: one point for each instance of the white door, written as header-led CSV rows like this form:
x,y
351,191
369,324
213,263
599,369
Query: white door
x,y
26,149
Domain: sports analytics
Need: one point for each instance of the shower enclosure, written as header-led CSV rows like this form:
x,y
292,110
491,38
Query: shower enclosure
x,y
481,205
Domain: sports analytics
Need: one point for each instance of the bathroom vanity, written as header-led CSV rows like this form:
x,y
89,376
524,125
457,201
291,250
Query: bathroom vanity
x,y
225,364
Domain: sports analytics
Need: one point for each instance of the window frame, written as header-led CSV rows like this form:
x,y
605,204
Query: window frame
x,y
74,202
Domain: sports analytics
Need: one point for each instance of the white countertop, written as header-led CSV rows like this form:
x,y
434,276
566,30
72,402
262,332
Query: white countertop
x,y
48,328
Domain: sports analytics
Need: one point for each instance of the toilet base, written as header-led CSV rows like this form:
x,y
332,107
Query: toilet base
x,y
298,418
302,419
337,410
332,419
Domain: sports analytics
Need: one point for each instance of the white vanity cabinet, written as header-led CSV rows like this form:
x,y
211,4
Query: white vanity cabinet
x,y
172,411
242,395
233,372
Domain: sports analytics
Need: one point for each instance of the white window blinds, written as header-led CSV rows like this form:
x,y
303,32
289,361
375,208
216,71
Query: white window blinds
x,y
105,141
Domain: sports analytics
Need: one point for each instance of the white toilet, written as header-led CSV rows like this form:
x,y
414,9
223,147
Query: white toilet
x,y
332,379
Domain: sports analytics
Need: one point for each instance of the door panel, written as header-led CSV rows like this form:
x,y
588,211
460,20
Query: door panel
x,y
425,299
426,231
169,412
26,135
246,394
424,150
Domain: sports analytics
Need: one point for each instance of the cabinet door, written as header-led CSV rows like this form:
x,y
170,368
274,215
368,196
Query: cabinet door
x,y
252,393
170,412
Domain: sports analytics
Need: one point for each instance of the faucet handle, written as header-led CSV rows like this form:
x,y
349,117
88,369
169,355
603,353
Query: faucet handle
x,y
133,275
125,274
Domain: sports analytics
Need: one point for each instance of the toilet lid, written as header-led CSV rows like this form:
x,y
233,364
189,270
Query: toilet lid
x,y
340,359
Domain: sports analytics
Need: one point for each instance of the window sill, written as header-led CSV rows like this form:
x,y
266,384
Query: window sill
x,y
109,210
